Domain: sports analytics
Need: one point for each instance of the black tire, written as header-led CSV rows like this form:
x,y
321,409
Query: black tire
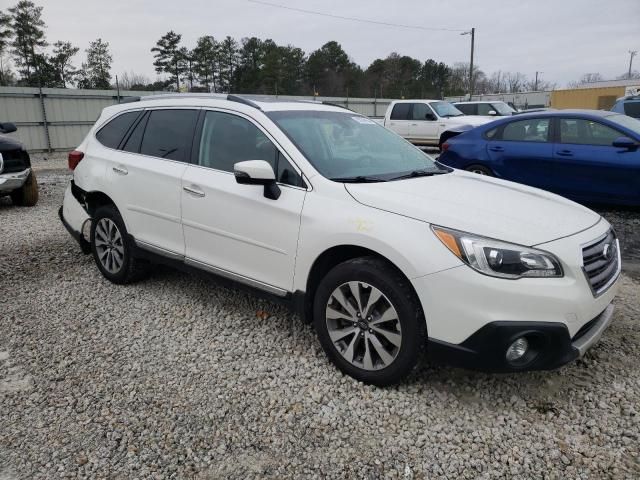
x,y
396,288
480,170
131,269
27,195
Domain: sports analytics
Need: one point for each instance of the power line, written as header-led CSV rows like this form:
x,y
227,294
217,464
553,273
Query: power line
x,y
354,19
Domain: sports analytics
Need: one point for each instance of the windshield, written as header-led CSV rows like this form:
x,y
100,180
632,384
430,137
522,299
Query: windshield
x,y
502,108
445,109
627,122
344,146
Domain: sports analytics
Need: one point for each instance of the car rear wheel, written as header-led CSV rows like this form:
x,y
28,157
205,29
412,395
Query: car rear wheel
x,y
27,195
369,321
113,249
480,170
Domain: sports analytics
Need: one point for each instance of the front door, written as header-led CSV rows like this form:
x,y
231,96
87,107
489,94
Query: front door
x,y
589,168
233,229
425,126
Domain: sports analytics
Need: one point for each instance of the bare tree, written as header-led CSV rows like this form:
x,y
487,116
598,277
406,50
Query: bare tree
x,y
129,80
586,78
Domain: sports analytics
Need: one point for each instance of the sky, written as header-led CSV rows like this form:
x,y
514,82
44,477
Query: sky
x,y
563,39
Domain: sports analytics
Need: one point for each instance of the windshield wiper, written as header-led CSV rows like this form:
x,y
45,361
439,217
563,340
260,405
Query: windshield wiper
x,y
420,173
358,179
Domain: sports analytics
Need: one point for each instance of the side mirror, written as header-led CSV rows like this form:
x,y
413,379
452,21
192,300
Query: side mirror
x,y
430,116
7,127
625,142
257,172
492,112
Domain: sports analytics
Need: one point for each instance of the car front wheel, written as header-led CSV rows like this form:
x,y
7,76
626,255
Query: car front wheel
x,y
480,170
369,321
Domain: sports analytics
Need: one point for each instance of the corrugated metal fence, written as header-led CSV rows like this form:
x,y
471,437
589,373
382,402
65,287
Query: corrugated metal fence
x,y
58,118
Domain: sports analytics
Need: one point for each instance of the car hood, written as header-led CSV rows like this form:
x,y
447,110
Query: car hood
x,y
482,205
474,120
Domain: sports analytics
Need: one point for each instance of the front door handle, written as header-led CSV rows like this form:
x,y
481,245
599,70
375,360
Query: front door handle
x,y
565,153
120,170
195,191
496,149
414,124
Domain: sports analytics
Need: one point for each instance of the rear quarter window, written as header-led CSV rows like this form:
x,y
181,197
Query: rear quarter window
x,y
491,134
113,132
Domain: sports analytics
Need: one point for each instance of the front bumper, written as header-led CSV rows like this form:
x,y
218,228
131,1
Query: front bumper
x,y
12,181
550,345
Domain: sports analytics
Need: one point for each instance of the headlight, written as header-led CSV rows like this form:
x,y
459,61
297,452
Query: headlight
x,y
499,259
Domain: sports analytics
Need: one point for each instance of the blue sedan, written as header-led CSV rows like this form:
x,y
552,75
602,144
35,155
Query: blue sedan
x,y
590,156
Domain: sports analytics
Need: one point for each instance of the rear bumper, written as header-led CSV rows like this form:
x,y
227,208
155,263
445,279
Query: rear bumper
x,y
13,181
550,345
75,219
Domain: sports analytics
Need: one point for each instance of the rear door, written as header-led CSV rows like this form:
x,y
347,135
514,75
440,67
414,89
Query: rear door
x,y
522,152
588,167
400,119
145,177
424,127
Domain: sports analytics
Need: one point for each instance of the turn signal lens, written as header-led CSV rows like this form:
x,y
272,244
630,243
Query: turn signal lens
x,y
449,241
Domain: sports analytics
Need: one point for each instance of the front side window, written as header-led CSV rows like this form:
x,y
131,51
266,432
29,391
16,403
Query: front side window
x,y
112,133
169,133
400,111
485,108
228,139
530,130
344,145
502,108
632,109
421,111
586,132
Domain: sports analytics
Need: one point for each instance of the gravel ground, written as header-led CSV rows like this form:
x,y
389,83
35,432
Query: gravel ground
x,y
178,377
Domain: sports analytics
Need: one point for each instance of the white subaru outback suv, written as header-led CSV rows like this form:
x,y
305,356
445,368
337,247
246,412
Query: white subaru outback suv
x,y
382,248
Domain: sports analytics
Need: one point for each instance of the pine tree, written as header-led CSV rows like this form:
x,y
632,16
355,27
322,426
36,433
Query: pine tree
x,y
28,39
167,56
63,52
96,71
206,59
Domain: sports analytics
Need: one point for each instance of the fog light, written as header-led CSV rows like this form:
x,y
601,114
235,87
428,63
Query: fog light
x,y
517,349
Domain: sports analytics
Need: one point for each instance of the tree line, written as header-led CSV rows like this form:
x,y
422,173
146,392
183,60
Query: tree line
x,y
251,65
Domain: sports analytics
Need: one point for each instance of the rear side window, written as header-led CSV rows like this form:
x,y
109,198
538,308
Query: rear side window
x,y
112,133
466,108
632,109
400,111
530,130
168,134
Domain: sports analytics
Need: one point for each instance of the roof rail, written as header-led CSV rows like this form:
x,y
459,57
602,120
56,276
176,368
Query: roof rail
x,y
245,101
231,98
324,102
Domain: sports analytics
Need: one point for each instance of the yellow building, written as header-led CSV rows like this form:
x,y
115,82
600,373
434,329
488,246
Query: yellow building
x,y
596,96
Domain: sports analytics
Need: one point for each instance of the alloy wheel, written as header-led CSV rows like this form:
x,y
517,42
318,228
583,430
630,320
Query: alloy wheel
x,y
363,325
109,245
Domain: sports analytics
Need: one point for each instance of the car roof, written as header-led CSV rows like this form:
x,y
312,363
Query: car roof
x,y
563,113
418,100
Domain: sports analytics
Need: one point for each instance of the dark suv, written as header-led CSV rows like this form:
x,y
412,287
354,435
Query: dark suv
x,y
16,178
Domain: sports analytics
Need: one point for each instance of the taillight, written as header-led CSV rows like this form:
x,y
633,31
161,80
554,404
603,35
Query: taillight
x,y
445,147
74,159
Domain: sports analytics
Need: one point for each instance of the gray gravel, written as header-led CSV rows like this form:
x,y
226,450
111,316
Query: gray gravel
x,y
178,377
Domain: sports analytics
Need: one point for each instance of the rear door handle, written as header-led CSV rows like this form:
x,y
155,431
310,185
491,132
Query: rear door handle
x,y
195,191
496,149
565,153
414,124
120,170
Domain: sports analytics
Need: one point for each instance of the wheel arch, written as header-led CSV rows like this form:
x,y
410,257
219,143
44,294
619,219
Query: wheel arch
x,y
327,260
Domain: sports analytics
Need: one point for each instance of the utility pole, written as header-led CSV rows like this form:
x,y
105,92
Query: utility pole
x,y
535,85
632,53
472,32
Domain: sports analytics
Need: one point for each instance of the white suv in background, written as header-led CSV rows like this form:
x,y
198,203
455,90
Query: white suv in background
x,y
427,122
384,249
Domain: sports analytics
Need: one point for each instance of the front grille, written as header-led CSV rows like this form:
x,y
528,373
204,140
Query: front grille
x,y
601,262
14,161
